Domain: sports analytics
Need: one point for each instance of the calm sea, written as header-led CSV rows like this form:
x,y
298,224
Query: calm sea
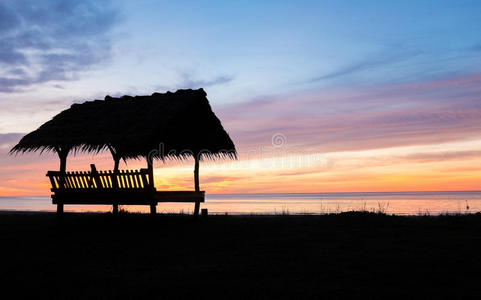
x,y
400,203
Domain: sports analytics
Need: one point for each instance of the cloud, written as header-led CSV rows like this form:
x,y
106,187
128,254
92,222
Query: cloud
x,y
8,140
404,62
475,47
361,118
443,156
367,64
49,40
218,179
188,81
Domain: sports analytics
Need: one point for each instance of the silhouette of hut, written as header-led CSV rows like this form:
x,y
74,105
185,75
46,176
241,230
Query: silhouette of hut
x,y
169,125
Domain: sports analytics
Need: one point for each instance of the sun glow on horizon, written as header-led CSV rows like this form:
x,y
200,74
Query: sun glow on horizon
x,y
441,167
358,105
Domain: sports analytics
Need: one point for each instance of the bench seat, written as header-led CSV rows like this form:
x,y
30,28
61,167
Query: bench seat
x,y
125,197
124,187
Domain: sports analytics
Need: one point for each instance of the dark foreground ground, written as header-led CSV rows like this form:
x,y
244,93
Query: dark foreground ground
x,y
351,255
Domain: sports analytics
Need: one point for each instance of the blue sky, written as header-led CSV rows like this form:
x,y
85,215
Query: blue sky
x,y
285,46
240,50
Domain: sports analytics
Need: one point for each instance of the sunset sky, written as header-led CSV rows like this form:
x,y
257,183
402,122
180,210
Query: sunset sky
x,y
318,96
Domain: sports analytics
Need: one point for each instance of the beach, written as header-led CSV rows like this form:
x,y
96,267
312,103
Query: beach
x,y
346,255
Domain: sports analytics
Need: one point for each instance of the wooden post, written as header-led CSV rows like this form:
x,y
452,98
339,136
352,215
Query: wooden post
x,y
116,157
196,183
150,167
94,177
59,210
62,154
116,164
115,206
63,162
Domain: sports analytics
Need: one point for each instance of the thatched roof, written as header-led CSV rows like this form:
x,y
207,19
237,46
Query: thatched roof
x,y
181,123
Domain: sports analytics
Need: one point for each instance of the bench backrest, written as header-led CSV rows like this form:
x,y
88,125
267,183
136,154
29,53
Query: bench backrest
x,y
101,180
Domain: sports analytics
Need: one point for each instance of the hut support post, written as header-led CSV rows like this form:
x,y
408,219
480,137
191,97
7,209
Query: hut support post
x,y
60,210
196,184
150,167
63,163
116,163
62,154
116,157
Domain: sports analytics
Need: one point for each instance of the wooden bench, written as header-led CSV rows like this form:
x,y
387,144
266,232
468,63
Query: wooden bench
x,y
124,187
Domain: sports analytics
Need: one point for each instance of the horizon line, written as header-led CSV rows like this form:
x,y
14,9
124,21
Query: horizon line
x,y
293,193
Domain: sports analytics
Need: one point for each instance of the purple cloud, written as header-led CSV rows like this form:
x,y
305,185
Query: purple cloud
x,y
55,38
362,118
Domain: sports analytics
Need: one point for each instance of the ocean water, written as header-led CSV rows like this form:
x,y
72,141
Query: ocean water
x,y
399,203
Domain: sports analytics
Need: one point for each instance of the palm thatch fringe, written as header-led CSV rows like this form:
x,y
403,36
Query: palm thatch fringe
x,y
162,126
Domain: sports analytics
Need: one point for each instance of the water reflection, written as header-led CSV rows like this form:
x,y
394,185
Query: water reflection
x,y
409,203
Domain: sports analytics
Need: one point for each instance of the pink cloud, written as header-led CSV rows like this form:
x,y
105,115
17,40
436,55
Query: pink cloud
x,y
362,118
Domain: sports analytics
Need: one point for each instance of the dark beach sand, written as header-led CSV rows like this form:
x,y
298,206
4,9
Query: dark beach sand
x,y
349,255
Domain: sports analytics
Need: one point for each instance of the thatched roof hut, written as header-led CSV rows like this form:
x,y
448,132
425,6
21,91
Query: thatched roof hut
x,y
169,125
